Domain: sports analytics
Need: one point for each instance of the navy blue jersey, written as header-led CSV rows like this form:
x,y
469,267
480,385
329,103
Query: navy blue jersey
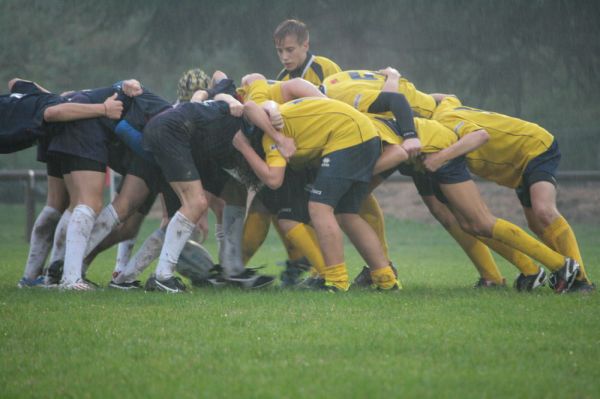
x,y
143,107
22,118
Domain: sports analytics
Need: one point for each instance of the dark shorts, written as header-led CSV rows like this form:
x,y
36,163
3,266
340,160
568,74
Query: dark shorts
x,y
290,201
343,179
147,171
213,177
541,168
353,163
427,186
86,138
453,172
53,167
171,199
168,137
73,163
424,182
151,175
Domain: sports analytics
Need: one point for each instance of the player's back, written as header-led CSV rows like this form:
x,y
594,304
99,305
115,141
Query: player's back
x,y
360,88
512,144
320,126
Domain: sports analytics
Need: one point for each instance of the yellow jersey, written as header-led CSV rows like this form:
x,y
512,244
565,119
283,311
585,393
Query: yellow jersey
x,y
512,144
314,69
433,135
260,91
360,89
318,126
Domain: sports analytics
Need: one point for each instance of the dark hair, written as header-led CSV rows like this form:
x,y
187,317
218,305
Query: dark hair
x,y
291,27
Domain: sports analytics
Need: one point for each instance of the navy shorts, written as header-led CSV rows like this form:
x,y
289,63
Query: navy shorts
x,y
343,178
73,163
168,137
213,177
53,167
453,172
290,201
541,168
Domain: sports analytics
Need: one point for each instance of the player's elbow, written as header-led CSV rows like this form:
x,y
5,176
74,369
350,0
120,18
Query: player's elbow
x,y
12,82
274,181
52,114
483,136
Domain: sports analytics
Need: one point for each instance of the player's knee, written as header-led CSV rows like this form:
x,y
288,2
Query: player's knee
x,y
196,206
545,214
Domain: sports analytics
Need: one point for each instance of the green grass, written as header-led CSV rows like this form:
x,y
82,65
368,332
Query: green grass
x,y
437,338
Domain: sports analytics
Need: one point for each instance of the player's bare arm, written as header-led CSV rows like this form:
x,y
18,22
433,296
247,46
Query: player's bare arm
x,y
111,108
271,176
297,88
468,143
259,118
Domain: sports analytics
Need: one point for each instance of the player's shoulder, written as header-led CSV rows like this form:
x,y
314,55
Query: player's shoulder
x,y
329,66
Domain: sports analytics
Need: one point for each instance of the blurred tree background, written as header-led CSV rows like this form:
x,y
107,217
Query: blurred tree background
x,y
534,59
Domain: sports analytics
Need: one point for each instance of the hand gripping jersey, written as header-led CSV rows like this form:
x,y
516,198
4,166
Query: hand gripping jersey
x,y
513,142
360,88
433,135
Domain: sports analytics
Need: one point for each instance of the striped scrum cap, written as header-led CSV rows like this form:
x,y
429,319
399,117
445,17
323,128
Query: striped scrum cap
x,y
190,82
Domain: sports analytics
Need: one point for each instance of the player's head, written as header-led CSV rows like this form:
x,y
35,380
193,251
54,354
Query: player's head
x,y
291,41
190,82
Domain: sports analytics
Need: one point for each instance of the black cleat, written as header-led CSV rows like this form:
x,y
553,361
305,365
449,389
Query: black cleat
x,y
309,282
364,280
530,283
125,286
172,285
483,283
562,280
582,286
250,279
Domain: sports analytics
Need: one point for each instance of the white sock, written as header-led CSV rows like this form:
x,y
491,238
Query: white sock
x,y
233,228
149,251
106,222
60,238
220,236
178,231
78,234
124,250
41,241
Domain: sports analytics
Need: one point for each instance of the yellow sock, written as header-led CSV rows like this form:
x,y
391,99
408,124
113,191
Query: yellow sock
x,y
371,212
337,276
515,237
560,237
293,252
478,253
384,278
256,229
517,258
304,238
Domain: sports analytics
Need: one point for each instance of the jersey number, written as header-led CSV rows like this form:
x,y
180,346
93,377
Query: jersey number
x,y
359,76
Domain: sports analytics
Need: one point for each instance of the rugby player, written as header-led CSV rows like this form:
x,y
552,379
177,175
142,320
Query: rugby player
x,y
347,146
28,116
520,155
